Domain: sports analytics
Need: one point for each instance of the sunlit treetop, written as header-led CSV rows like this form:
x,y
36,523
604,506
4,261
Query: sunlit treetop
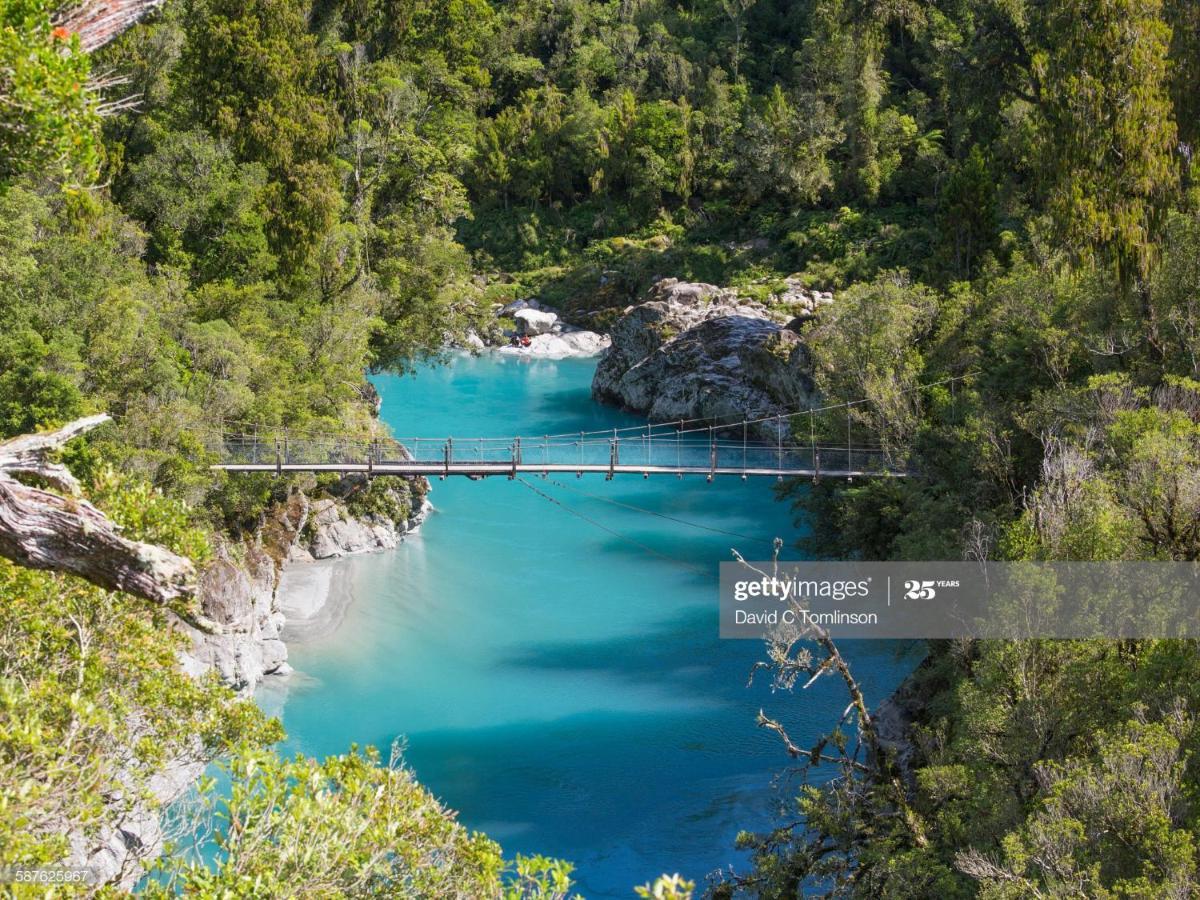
x,y
48,114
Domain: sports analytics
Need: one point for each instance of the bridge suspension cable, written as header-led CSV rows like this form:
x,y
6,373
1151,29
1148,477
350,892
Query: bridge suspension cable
x,y
649,449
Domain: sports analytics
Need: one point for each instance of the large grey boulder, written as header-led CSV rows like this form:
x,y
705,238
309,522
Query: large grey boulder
x,y
535,321
694,351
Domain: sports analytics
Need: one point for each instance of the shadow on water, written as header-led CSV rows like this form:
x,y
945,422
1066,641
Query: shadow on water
x,y
632,657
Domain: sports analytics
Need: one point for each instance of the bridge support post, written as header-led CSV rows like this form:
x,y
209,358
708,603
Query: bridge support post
x,y
278,459
678,449
612,460
744,443
712,454
812,434
516,457
849,445
779,447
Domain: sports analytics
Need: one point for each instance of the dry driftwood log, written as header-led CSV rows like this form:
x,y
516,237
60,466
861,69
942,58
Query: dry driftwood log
x,y
99,21
62,532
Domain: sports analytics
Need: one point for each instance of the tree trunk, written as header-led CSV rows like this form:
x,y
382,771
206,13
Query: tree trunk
x,y
46,530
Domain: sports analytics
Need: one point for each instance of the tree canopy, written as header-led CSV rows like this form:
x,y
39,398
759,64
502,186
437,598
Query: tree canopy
x,y
236,209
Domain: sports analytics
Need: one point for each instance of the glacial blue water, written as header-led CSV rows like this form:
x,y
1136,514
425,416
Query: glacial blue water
x,y
560,686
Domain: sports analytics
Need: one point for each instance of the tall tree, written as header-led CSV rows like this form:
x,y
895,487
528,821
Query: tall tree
x,y
1184,19
1107,130
249,73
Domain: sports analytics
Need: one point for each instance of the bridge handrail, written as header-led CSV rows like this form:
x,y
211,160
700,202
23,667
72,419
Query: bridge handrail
x,y
260,449
534,441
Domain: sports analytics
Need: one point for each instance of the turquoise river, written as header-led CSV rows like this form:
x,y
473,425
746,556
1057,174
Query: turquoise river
x,y
560,685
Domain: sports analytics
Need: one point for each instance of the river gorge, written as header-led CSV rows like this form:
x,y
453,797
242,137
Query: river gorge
x,y
556,677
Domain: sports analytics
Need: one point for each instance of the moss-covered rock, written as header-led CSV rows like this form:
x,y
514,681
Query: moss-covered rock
x,y
696,351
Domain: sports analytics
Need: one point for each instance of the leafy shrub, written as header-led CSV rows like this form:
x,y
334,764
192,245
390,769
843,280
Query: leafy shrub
x,y
145,514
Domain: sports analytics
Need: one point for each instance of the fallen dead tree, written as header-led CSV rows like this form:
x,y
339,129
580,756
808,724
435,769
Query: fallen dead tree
x,y
45,523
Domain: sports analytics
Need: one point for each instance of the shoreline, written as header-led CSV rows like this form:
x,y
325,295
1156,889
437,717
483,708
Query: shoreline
x,y
568,345
314,596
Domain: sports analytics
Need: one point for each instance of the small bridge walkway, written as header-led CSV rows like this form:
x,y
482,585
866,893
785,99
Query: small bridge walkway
x,y
679,448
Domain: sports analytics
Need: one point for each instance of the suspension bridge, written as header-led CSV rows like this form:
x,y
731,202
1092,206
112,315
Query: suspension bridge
x,y
801,447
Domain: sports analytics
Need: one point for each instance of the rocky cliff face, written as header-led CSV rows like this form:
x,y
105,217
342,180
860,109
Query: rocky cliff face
x,y
120,852
695,351
239,589
357,516
239,595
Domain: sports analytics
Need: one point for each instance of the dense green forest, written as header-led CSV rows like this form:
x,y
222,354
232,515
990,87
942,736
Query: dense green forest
x,y
240,206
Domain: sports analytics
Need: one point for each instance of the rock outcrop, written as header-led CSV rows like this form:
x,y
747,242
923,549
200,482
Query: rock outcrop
x,y
560,346
803,304
535,321
696,351
549,336
896,720
239,595
336,526
239,589
230,609
238,592
120,852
